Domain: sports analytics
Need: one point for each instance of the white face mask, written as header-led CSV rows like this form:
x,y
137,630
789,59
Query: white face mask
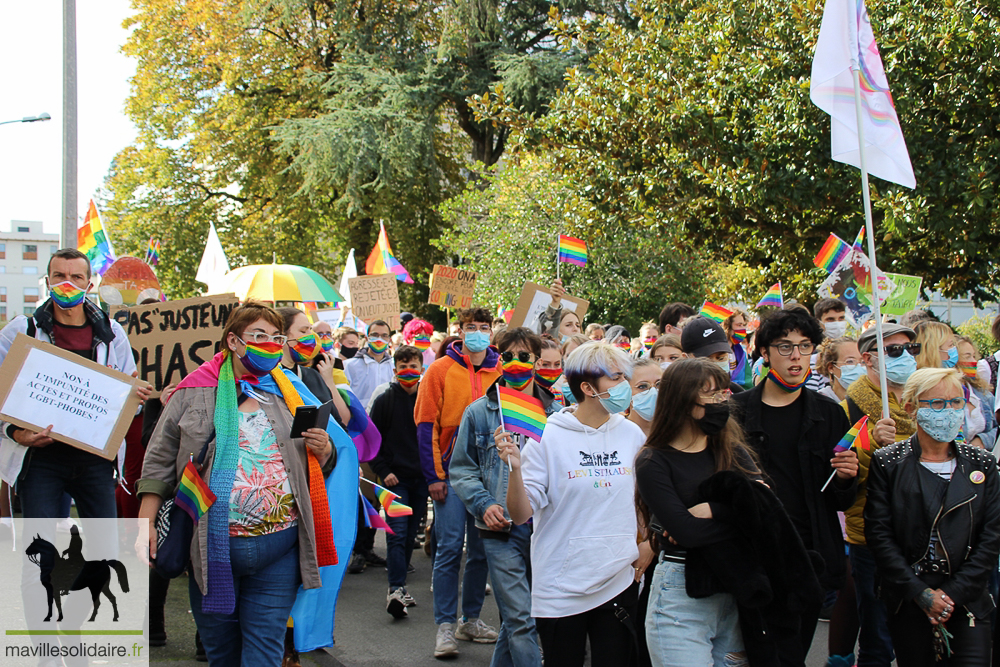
x,y
664,365
835,329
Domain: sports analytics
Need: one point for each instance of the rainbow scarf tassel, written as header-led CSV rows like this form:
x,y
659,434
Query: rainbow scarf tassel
x,y
773,298
521,413
572,250
193,495
715,312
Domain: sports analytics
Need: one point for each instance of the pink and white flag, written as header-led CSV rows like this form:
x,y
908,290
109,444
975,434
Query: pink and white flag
x,y
846,38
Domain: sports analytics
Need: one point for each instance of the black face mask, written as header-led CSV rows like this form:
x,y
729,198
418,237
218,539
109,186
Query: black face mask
x,y
715,419
348,352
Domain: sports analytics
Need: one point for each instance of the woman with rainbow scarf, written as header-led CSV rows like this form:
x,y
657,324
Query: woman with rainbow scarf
x,y
272,530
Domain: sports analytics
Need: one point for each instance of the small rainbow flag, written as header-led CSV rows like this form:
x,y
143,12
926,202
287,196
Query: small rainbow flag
x,y
373,519
153,252
715,312
857,436
381,260
505,313
193,495
830,255
572,250
92,240
521,413
773,297
388,500
859,240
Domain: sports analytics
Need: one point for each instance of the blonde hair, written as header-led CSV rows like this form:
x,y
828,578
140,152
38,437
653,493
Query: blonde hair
x,y
931,335
925,379
829,353
973,381
438,336
666,340
577,339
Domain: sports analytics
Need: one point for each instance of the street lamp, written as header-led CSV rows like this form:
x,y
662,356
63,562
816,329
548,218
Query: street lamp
x,y
29,119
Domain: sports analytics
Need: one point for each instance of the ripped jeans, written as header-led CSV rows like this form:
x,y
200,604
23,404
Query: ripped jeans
x,y
682,631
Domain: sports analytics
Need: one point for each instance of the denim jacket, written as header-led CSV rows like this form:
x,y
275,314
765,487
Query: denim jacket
x,y
477,473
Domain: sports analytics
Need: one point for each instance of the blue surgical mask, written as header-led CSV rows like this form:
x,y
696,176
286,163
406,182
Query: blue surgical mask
x,y
619,398
849,375
477,341
644,403
941,425
952,359
563,338
899,369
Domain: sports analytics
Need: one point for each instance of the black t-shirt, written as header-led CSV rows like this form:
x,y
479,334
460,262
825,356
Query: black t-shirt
x,y
780,459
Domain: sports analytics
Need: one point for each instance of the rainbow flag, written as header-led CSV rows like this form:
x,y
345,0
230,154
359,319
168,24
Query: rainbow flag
x,y
830,255
193,495
572,250
773,297
153,252
521,413
714,312
372,518
506,314
92,240
383,261
859,240
857,436
388,500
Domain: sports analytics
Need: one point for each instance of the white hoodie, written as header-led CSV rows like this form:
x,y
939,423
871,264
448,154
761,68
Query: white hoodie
x,y
581,487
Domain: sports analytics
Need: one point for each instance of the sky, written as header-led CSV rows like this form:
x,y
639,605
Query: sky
x,y
31,80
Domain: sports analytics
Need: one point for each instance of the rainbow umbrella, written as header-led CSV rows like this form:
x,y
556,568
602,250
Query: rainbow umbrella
x,y
278,282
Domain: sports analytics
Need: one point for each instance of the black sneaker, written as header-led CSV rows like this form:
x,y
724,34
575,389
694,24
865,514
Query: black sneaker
x,y
357,564
199,648
373,558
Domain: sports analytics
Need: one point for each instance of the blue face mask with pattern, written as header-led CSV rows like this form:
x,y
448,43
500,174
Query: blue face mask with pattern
x,y
941,425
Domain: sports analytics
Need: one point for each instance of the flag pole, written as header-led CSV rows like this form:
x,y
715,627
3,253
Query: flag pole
x,y
503,429
557,257
856,71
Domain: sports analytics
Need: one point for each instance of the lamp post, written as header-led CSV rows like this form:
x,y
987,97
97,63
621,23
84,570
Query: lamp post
x,y
28,119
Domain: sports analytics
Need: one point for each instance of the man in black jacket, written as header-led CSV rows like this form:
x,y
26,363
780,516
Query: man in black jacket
x,y
398,464
794,430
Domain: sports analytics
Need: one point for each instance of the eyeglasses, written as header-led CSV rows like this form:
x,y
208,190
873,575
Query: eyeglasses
x,y
523,357
897,350
785,349
472,328
849,365
939,404
720,396
385,337
325,336
261,337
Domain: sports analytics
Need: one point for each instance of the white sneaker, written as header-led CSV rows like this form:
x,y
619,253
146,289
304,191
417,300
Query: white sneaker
x,y
408,599
395,604
445,646
474,630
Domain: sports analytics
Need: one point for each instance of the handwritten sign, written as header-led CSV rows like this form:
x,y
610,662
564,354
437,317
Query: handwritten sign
x,y
451,287
533,301
375,298
88,405
171,339
904,298
851,283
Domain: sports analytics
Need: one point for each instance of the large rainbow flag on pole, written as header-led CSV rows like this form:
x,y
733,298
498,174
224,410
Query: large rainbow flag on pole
x,y
521,413
92,240
572,250
381,260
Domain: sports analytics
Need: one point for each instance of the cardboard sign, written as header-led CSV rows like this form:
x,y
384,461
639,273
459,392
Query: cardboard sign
x,y
904,298
375,298
451,287
337,317
89,405
533,301
850,282
129,281
171,339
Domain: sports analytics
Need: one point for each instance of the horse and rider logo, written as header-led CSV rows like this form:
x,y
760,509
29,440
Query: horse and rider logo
x,y
599,459
64,573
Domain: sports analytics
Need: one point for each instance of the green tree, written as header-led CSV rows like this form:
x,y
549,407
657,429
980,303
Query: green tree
x,y
701,118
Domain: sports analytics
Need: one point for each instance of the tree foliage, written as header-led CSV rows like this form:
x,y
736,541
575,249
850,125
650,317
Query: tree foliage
x,y
701,118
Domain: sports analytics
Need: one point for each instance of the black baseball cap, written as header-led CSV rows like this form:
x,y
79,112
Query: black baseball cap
x,y
703,337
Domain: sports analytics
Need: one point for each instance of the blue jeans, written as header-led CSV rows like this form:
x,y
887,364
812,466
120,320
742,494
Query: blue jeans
x,y
874,642
399,547
266,580
510,572
44,480
682,631
452,525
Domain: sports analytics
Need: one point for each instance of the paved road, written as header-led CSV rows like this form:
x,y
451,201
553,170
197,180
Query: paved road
x,y
366,635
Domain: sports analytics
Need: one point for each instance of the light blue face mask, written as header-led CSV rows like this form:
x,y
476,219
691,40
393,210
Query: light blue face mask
x,y
899,369
849,375
476,341
644,403
563,338
619,398
941,425
952,359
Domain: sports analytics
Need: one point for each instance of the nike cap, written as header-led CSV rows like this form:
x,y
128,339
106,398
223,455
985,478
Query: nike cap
x,y
703,337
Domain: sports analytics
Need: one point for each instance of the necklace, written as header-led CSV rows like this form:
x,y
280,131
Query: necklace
x,y
944,460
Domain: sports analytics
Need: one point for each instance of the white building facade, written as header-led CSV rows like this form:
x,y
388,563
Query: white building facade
x,y
24,255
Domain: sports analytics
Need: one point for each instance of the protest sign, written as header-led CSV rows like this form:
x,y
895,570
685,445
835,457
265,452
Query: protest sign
x,y
904,298
88,405
534,299
451,287
129,281
850,282
340,317
171,339
375,298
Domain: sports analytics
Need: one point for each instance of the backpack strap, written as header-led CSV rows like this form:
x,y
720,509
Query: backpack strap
x,y
32,329
994,364
854,411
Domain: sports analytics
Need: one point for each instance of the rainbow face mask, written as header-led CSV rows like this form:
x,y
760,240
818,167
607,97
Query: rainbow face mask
x,y
739,335
546,377
66,295
968,368
647,343
377,345
304,349
408,377
326,342
517,374
624,343
422,343
260,358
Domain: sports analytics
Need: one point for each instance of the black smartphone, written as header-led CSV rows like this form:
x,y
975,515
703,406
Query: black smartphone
x,y
311,416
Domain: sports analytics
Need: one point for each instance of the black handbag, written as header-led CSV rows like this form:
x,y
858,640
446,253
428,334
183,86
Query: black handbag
x,y
174,531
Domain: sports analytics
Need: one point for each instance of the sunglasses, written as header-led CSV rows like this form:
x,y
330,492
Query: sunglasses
x,y
897,350
523,357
